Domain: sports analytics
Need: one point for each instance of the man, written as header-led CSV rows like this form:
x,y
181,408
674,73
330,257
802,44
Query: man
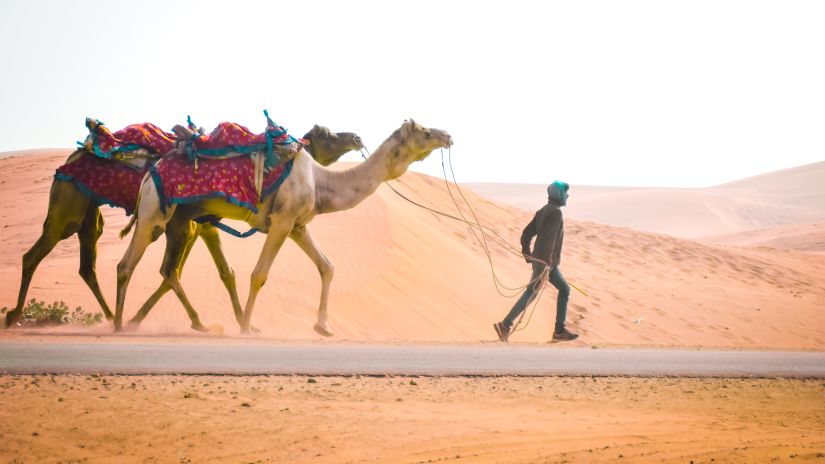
x,y
548,228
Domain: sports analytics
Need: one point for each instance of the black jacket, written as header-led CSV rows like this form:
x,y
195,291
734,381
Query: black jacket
x,y
548,228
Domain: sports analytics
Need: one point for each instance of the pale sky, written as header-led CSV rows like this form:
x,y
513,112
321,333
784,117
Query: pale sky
x,y
634,93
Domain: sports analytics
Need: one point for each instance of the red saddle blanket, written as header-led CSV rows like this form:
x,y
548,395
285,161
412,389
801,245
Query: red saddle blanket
x,y
179,181
233,135
104,143
105,181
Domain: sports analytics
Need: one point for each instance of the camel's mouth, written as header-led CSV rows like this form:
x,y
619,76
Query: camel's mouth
x,y
447,140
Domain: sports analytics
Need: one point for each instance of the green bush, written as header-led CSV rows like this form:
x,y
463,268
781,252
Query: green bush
x,y
57,313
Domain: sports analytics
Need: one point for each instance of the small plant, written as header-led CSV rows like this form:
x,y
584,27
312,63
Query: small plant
x,y
39,313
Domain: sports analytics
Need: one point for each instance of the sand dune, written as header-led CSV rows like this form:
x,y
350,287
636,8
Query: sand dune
x,y
404,274
809,238
790,196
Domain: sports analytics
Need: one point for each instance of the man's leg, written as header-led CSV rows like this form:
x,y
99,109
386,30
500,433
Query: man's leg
x,y
526,297
564,294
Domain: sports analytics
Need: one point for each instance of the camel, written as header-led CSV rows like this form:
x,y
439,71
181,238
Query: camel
x,y
325,147
72,212
310,190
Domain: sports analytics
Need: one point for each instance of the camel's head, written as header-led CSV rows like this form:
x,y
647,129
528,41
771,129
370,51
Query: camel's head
x,y
326,147
416,142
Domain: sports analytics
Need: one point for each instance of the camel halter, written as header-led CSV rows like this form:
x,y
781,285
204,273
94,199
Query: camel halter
x,y
486,233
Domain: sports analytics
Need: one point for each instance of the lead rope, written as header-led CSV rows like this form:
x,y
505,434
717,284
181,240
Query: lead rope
x,y
541,279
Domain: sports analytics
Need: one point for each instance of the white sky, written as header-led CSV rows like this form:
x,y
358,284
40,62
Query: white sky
x,y
647,93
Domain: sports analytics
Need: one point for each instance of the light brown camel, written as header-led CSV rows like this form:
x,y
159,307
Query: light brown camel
x,y
72,212
310,190
325,147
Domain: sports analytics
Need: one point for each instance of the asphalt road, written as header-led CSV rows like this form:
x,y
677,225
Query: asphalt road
x,y
327,359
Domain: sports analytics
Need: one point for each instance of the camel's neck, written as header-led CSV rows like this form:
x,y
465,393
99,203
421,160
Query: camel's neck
x,y
340,190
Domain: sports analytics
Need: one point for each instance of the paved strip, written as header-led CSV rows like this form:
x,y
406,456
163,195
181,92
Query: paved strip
x,y
497,360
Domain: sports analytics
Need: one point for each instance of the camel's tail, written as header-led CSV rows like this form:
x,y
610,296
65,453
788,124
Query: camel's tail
x,y
128,228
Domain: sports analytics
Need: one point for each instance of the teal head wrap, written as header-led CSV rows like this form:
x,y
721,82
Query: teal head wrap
x,y
557,192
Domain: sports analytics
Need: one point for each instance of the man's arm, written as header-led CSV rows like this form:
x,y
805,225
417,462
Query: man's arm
x,y
527,237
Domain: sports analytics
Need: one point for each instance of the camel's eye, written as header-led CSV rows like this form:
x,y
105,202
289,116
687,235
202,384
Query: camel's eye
x,y
428,134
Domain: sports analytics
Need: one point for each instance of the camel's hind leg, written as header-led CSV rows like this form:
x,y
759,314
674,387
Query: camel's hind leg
x,y
67,207
302,237
210,237
164,285
89,233
180,236
149,226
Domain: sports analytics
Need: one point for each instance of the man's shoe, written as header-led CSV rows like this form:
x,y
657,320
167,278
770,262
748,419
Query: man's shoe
x,y
564,336
502,331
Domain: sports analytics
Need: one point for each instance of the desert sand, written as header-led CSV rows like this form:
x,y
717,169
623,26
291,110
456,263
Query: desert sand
x,y
405,274
206,419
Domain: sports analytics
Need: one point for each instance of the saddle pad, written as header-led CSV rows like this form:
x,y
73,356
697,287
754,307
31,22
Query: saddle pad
x,y
148,136
106,182
232,179
232,135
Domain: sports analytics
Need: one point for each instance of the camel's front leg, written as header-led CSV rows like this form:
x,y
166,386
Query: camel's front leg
x,y
303,238
274,240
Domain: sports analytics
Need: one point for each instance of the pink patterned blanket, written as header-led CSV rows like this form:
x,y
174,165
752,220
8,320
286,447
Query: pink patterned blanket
x,y
105,181
232,179
105,144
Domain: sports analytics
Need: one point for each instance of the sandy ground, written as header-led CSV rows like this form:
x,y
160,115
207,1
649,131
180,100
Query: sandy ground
x,y
149,419
403,274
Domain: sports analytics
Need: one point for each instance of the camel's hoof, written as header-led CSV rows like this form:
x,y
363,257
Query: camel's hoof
x,y
132,326
199,327
322,330
11,318
216,329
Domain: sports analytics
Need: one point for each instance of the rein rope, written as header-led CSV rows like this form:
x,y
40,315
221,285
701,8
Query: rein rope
x,y
486,233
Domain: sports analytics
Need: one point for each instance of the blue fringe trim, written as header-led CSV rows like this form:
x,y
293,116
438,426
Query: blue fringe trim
x,y
159,187
85,190
284,175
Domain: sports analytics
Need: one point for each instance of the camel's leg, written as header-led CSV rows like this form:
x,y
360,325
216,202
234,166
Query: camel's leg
x,y
150,303
180,236
150,225
67,208
302,237
274,240
89,233
210,237
164,285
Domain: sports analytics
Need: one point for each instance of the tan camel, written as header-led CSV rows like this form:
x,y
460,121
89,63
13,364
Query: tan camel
x,y
72,212
325,147
310,190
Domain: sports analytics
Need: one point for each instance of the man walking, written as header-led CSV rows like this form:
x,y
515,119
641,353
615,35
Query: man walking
x,y
548,228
